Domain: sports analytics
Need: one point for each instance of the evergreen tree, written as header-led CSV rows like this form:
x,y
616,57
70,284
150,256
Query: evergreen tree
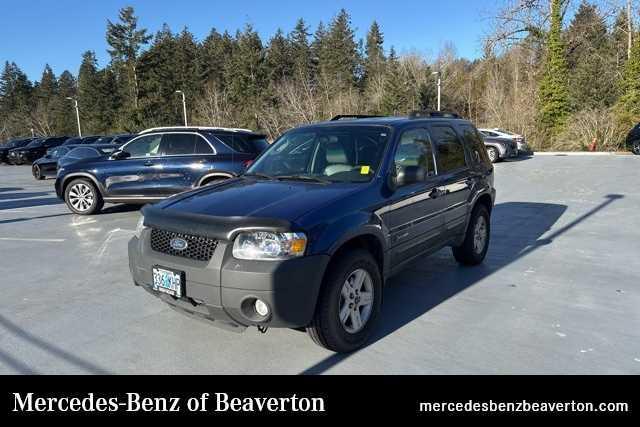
x,y
590,60
46,93
338,54
90,93
126,41
300,50
395,99
279,64
64,116
214,54
628,106
245,75
16,93
374,51
553,94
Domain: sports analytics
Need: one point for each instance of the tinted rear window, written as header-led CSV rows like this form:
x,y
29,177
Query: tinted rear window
x,y
244,143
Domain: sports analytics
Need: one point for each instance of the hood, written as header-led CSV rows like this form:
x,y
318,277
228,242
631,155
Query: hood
x,y
244,197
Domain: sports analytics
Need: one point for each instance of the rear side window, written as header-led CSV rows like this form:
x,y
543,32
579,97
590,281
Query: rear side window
x,y
202,146
475,143
175,144
449,149
243,144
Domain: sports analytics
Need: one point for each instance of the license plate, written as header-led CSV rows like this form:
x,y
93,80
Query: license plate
x,y
167,281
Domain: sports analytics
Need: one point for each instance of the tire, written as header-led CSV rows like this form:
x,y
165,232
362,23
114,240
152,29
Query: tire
x,y
327,329
635,147
476,242
493,153
37,173
88,200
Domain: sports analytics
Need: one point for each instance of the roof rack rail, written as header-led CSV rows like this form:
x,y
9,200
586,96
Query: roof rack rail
x,y
431,113
352,116
156,129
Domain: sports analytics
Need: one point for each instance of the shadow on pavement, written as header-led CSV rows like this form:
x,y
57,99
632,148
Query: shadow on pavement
x,y
9,221
517,230
6,189
18,204
48,347
18,196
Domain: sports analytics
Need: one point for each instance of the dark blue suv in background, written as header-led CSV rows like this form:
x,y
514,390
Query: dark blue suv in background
x,y
158,163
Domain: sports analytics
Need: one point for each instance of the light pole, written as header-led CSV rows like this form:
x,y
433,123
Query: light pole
x,y
75,102
439,87
184,106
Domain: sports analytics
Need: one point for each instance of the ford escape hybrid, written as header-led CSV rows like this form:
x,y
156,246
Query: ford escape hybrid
x,y
308,235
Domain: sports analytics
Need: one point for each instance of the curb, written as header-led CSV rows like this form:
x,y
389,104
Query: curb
x,y
582,153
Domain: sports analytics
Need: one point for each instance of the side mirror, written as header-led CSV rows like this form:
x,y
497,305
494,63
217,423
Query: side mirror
x,y
120,155
410,175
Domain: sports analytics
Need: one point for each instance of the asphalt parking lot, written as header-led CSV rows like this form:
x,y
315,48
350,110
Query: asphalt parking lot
x,y
559,292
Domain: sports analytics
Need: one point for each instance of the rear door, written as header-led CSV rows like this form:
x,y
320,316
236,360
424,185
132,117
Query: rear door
x,y
185,158
136,175
454,176
413,215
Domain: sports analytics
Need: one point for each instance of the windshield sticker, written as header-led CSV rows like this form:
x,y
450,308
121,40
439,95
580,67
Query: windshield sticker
x,y
364,170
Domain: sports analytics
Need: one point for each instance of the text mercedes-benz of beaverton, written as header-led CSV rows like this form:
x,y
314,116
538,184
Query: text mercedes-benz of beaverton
x,y
308,235
156,164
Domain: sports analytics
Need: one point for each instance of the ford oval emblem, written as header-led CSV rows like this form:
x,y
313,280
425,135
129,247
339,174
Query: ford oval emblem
x,y
178,244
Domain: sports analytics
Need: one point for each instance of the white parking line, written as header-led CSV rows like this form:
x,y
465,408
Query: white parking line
x,y
17,239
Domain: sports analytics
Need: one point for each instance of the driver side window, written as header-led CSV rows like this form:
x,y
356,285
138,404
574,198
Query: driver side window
x,y
414,149
145,146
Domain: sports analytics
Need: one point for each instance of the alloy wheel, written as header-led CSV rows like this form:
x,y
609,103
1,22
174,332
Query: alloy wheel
x,y
636,148
480,235
81,197
356,301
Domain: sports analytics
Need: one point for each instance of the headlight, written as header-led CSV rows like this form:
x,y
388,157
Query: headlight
x,y
267,245
140,227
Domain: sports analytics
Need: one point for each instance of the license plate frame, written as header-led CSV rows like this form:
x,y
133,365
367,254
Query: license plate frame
x,y
168,281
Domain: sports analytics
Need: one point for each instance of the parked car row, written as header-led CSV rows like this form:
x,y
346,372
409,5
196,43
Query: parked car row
x,y
27,150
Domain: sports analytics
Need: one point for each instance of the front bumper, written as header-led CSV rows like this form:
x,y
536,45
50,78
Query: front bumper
x,y
222,289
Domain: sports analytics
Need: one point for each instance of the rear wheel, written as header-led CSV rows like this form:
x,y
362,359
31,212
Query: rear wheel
x,y
635,147
349,303
493,153
476,242
37,173
82,197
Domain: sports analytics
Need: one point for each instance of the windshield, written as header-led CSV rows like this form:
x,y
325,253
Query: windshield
x,y
336,154
505,132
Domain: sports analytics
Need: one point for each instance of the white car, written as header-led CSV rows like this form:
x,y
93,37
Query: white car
x,y
501,133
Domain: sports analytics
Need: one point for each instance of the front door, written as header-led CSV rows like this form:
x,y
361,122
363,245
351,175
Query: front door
x,y
412,215
136,176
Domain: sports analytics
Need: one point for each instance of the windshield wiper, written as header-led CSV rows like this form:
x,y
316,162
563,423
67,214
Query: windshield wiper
x,y
258,175
302,178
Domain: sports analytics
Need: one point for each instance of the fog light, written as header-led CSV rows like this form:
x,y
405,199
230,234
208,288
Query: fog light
x,y
261,308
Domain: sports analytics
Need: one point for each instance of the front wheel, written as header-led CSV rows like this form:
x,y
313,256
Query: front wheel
x,y
493,153
83,198
349,303
635,148
37,172
476,242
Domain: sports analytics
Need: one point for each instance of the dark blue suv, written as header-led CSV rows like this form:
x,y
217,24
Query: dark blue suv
x,y
156,164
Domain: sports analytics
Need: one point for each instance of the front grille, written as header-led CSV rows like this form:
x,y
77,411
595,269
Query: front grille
x,y
198,248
